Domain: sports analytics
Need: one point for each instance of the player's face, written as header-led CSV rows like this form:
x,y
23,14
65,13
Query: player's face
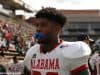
x,y
49,29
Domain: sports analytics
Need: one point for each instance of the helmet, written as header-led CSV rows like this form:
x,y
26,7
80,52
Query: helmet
x,y
96,46
98,42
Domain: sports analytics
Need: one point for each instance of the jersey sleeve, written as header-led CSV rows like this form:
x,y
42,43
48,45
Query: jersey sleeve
x,y
78,54
78,64
76,50
28,56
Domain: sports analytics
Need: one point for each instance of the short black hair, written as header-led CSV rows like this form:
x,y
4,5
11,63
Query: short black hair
x,y
52,14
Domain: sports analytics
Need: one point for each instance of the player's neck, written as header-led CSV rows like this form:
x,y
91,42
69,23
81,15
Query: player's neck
x,y
49,47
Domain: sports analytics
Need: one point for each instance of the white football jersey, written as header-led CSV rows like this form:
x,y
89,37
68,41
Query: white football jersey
x,y
66,57
15,68
95,62
98,65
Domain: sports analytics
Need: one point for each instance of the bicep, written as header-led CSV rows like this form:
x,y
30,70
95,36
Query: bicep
x,y
82,70
79,66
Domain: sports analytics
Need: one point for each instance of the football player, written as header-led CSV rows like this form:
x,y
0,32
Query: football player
x,y
52,55
95,59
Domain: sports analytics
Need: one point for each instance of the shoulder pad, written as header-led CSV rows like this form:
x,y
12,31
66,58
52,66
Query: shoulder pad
x,y
33,49
76,50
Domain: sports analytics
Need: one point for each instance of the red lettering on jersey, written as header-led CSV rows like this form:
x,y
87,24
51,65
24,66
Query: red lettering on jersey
x,y
32,63
38,64
51,63
57,64
45,64
35,73
42,64
47,73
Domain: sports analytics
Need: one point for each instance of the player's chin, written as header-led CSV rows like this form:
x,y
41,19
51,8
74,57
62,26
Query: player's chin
x,y
42,41
39,41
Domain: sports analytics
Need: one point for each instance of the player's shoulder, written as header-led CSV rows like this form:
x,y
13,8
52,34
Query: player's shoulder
x,y
76,49
33,49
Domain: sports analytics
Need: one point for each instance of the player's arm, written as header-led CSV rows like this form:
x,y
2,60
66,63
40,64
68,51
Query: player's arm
x,y
80,62
78,58
82,70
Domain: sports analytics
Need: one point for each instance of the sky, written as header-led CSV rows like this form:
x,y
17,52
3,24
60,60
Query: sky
x,y
64,4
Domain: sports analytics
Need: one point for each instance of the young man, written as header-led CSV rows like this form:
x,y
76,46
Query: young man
x,y
53,56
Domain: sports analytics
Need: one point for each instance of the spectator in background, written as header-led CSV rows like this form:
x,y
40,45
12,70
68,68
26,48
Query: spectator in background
x,y
17,40
8,37
2,46
30,41
16,67
95,59
2,43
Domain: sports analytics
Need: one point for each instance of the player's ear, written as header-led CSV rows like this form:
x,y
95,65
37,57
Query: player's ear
x,y
57,29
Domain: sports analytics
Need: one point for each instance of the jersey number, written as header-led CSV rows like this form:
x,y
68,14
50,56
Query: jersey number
x,y
48,73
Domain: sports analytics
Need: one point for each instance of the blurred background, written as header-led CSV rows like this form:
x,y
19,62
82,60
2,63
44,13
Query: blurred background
x,y
17,23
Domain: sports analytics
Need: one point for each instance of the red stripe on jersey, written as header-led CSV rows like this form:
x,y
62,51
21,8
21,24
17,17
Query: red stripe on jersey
x,y
35,73
79,69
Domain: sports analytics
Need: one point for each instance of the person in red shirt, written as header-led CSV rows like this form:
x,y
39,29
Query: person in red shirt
x,y
8,37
